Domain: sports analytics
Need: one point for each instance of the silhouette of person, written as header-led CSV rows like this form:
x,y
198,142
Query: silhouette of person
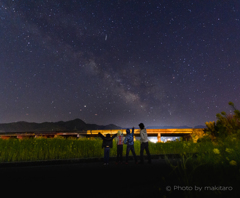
x,y
144,143
130,145
107,144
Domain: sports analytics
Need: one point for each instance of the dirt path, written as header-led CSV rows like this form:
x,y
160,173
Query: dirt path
x,y
91,179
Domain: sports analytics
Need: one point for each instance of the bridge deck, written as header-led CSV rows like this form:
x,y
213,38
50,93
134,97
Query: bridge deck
x,y
150,132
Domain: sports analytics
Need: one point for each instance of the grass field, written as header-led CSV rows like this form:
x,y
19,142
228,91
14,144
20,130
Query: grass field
x,y
61,148
215,172
216,166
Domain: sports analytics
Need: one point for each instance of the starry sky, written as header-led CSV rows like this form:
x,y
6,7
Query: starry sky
x,y
122,62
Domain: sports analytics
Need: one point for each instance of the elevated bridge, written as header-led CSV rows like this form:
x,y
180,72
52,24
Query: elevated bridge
x,y
191,133
187,133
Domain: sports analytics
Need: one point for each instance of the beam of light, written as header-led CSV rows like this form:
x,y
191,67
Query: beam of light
x,y
153,139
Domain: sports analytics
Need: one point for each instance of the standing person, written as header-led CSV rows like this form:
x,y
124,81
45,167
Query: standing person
x,y
144,143
119,140
130,145
107,144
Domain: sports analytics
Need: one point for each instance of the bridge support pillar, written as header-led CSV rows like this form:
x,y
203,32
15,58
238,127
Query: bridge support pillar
x,y
159,137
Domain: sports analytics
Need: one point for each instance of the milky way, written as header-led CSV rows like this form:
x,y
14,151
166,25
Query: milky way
x,y
119,62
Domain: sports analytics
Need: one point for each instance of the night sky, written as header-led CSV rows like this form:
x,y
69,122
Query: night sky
x,y
170,62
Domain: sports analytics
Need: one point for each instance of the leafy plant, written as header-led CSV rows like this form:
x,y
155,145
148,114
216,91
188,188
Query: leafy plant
x,y
227,124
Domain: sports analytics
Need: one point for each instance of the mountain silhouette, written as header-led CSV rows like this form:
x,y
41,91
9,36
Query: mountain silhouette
x,y
168,127
72,125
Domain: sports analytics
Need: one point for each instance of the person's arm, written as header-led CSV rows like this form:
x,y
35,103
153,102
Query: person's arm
x,y
133,131
125,140
115,135
100,135
117,140
141,137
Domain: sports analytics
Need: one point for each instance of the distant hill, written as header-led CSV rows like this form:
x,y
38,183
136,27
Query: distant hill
x,y
168,127
174,127
200,127
72,125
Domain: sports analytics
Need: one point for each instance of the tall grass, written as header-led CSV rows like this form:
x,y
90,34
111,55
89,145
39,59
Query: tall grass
x,y
61,148
46,149
217,165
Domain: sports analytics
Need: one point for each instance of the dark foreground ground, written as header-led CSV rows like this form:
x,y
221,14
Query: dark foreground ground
x,y
92,179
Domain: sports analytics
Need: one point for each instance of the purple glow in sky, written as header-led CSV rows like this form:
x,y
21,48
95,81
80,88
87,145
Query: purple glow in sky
x,y
119,62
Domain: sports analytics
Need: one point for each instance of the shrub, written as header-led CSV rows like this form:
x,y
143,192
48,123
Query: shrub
x,y
227,124
205,138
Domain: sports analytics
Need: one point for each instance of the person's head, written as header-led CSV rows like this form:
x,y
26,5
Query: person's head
x,y
128,131
141,126
108,135
119,133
